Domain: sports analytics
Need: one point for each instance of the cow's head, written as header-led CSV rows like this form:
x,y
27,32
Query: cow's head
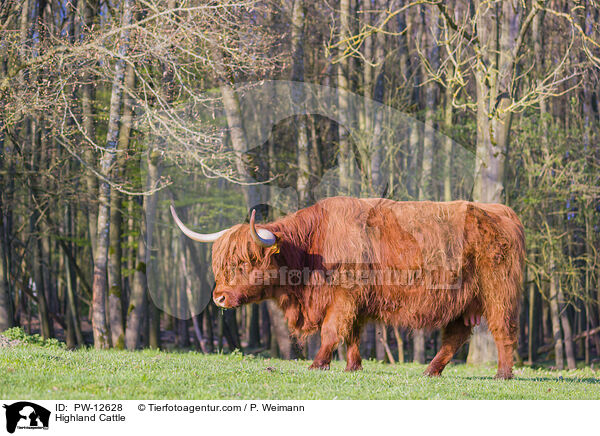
x,y
243,262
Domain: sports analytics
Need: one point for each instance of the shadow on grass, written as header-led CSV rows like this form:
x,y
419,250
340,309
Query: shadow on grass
x,y
587,380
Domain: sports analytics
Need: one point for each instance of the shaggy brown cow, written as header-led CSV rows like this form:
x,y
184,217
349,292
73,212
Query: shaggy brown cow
x,y
343,261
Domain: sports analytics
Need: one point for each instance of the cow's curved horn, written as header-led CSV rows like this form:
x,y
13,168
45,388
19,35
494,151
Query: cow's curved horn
x,y
200,237
261,236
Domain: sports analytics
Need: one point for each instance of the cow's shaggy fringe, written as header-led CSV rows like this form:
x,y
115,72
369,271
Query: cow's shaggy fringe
x,y
478,246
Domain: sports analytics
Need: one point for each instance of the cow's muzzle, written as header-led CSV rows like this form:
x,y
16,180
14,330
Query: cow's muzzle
x,y
225,299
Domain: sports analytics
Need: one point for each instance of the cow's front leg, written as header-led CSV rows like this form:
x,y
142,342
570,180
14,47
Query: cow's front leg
x,y
329,341
337,324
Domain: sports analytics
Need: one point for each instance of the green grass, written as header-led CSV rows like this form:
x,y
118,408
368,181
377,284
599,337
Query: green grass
x,y
50,372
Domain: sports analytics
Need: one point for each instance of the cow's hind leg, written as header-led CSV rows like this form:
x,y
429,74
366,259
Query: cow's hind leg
x,y
505,335
454,335
502,313
353,360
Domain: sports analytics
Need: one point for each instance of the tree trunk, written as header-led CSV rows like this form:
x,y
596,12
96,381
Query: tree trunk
x,y
598,288
6,312
115,283
414,150
28,22
419,346
254,327
343,84
99,287
533,313
231,105
427,189
313,343
400,344
379,341
45,160
136,310
115,307
497,31
302,144
566,326
369,338
207,319
555,316
71,280
280,330
38,278
196,253
6,304
378,145
231,330
100,329
426,185
265,326
150,203
184,280
39,273
447,144
89,9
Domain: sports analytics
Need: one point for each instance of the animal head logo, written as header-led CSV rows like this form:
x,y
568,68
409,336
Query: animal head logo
x,y
26,415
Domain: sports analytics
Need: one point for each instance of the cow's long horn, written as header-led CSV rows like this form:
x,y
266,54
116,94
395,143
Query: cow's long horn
x,y
200,237
261,236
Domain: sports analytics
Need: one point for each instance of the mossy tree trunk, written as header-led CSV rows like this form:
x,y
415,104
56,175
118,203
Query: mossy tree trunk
x,y
100,327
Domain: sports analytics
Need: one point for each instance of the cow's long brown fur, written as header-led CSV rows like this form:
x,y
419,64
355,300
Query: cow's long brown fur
x,y
461,259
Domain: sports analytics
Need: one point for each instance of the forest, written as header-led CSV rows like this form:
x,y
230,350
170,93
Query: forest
x,y
111,111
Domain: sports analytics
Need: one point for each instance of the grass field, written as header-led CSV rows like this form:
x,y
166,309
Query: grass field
x,y
34,372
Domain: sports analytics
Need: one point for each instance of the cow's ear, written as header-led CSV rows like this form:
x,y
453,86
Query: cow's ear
x,y
275,247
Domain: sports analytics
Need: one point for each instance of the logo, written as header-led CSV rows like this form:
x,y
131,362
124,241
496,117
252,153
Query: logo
x,y
26,415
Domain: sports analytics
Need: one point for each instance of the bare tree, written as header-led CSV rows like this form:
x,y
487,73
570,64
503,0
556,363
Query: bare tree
x,y
101,333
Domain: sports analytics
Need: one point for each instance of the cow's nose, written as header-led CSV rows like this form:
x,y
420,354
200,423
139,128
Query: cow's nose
x,y
220,300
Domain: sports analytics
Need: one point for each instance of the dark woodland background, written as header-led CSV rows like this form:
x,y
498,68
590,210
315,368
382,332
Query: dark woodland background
x,y
92,90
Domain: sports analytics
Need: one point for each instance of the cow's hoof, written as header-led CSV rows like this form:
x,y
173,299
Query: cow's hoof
x,y
353,367
503,375
433,370
319,365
